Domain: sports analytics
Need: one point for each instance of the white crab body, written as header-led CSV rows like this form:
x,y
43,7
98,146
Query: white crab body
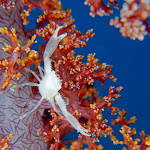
x,y
49,85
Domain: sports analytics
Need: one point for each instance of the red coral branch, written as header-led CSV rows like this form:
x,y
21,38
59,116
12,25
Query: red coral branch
x,y
98,7
133,19
133,16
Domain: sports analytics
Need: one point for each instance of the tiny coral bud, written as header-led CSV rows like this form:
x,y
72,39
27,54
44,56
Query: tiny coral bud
x,y
27,50
16,49
10,83
13,31
5,63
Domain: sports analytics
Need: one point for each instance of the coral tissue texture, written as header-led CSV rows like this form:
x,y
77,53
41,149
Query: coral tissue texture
x,y
14,103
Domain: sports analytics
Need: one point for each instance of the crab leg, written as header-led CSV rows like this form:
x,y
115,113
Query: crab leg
x,y
36,76
29,84
28,113
71,119
41,71
54,107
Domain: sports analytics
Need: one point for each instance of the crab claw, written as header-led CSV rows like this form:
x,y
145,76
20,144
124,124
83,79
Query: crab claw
x,y
74,122
70,118
53,42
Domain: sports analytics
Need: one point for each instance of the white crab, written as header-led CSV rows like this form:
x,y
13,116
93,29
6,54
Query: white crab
x,y
50,84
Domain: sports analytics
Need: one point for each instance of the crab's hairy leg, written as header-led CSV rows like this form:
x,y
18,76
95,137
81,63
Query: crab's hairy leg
x,y
53,42
28,113
54,107
71,119
34,74
23,84
41,71
29,84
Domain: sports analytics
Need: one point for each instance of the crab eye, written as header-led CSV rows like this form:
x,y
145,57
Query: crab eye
x,y
57,75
